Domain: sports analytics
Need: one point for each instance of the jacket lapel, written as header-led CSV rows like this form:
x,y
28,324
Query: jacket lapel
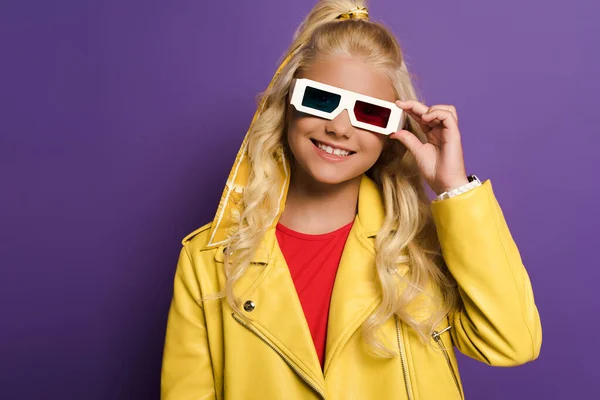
x,y
356,291
278,318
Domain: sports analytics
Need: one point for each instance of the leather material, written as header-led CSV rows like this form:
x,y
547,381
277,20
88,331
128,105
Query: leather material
x,y
268,353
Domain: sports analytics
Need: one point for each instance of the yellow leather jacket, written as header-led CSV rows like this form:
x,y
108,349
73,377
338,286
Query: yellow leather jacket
x,y
268,353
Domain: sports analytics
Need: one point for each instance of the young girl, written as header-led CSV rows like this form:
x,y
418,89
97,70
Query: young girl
x,y
327,273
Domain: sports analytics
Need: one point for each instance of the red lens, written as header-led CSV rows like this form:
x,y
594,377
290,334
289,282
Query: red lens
x,y
372,114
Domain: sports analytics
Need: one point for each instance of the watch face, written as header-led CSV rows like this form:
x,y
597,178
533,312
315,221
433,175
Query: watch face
x,y
472,178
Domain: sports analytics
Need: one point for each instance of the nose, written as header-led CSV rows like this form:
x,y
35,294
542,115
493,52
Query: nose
x,y
340,125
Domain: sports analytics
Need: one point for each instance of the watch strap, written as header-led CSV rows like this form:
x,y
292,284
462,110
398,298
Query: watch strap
x,y
473,183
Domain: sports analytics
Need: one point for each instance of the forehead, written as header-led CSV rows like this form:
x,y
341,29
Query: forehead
x,y
351,74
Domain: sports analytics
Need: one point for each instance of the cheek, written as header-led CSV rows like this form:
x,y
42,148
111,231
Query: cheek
x,y
295,135
300,127
373,143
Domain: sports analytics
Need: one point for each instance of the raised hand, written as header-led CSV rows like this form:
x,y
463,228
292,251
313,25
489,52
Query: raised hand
x,y
440,160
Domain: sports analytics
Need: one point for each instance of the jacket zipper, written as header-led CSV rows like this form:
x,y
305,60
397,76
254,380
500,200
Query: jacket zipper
x,y
438,339
403,360
283,356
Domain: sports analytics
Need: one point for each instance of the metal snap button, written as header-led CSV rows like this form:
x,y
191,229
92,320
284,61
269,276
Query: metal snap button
x,y
249,305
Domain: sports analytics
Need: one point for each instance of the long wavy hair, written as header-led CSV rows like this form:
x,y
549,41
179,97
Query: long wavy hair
x,y
407,247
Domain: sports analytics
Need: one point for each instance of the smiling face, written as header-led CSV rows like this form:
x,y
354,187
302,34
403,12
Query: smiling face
x,y
334,151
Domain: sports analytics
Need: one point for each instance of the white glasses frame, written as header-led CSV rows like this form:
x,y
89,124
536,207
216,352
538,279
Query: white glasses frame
x,y
347,101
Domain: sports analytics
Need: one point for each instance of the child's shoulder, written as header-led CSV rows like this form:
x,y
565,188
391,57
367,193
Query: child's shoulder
x,y
197,238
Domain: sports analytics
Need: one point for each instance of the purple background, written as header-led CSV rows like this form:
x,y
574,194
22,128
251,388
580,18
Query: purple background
x,y
119,121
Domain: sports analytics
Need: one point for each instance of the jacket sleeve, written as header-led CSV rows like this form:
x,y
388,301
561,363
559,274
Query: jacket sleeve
x,y
498,322
186,369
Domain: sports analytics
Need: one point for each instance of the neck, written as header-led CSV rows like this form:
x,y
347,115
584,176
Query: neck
x,y
314,207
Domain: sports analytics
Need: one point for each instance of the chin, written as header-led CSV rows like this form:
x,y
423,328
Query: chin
x,y
332,176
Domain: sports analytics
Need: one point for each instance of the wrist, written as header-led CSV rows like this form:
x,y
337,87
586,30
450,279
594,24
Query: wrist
x,y
472,182
450,185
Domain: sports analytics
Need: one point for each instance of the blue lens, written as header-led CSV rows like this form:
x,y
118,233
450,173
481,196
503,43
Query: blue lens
x,y
320,99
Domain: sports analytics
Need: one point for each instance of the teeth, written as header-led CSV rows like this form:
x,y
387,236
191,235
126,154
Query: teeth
x,y
331,150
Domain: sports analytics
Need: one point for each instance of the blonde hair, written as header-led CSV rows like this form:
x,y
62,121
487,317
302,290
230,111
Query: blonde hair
x,y
408,237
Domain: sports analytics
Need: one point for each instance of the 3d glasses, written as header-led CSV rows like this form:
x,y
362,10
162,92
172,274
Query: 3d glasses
x,y
365,112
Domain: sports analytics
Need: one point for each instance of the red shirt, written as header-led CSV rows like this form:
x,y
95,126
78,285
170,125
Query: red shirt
x,y
313,262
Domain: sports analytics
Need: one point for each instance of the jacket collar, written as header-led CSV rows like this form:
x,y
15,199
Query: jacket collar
x,y
371,211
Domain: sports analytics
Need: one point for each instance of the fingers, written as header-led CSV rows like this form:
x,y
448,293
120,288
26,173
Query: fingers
x,y
446,107
419,111
439,116
412,107
408,139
